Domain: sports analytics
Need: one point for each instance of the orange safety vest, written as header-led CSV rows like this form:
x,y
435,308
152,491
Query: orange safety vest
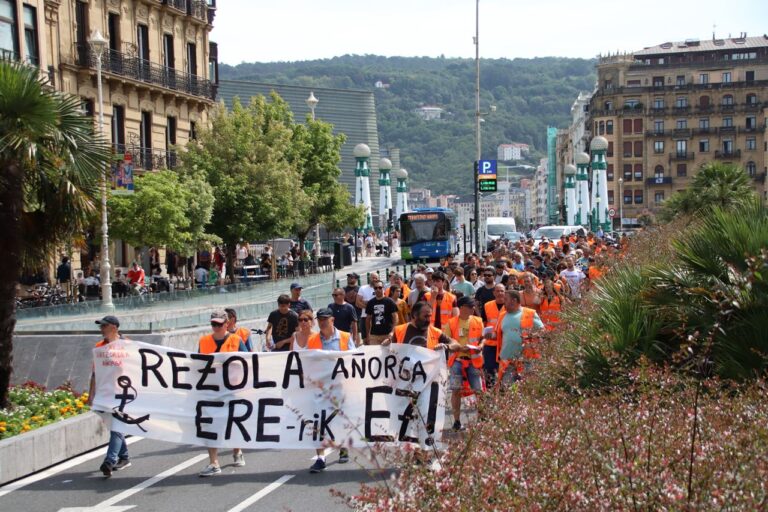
x,y
594,273
433,335
445,307
208,346
492,312
526,324
243,332
550,311
405,291
475,337
315,343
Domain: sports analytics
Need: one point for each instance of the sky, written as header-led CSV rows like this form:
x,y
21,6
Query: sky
x,y
293,30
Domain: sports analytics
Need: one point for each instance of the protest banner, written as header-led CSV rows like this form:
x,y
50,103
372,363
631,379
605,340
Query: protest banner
x,y
304,399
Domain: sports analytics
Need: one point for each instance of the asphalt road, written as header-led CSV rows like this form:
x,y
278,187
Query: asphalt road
x,y
163,477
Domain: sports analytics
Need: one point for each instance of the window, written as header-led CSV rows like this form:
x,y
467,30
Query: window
x,y
87,107
751,99
681,147
81,31
118,128
704,78
638,125
633,83
658,127
9,43
626,126
609,172
170,141
192,130
639,196
609,152
658,146
680,80
638,172
751,169
628,148
658,81
728,100
704,123
609,127
30,35
627,197
633,103
608,105
627,172
727,122
681,102
601,130
751,144
608,84
142,50
658,103
658,197
658,172
727,146
704,101
610,197
638,148
681,124
704,145
682,170
145,139
750,75
169,58
726,77
751,122
192,59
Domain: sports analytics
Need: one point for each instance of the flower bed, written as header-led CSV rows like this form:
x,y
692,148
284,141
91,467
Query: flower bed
x,y
32,406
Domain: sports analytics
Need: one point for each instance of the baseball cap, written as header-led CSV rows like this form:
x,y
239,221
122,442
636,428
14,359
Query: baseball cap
x,y
295,286
109,320
219,316
324,313
353,274
466,301
429,270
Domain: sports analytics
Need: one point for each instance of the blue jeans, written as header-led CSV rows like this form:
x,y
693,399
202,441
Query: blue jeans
x,y
456,377
117,449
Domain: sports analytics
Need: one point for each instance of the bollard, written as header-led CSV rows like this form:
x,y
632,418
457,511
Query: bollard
x,y
337,283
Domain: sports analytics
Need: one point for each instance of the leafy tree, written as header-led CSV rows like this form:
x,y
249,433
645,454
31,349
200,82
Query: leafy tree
x,y
166,209
715,185
51,163
249,159
317,156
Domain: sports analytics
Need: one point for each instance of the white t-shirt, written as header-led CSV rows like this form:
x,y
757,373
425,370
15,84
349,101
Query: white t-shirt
x,y
367,293
574,277
242,253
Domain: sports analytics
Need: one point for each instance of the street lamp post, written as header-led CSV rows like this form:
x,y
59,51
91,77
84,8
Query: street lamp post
x,y
98,46
312,103
621,203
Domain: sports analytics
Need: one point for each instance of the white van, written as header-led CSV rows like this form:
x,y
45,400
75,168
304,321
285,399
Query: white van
x,y
495,227
553,233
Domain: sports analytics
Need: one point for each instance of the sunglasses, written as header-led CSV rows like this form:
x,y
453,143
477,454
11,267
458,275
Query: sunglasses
x,y
305,319
337,294
217,324
378,287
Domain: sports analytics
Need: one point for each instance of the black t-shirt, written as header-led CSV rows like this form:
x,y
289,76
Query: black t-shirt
x,y
283,326
299,305
483,295
380,311
343,316
418,337
350,295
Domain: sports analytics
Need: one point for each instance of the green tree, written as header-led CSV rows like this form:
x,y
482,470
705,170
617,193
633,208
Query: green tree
x,y
249,159
166,209
317,156
51,163
715,185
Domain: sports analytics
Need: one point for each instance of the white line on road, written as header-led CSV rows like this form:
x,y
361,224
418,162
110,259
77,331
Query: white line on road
x,y
256,497
18,484
151,481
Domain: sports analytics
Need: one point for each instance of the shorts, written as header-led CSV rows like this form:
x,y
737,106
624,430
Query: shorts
x,y
456,377
376,339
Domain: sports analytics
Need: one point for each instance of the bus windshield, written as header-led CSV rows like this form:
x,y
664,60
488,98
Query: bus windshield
x,y
424,228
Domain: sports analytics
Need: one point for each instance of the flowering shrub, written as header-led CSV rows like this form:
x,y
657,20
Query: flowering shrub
x,y
32,406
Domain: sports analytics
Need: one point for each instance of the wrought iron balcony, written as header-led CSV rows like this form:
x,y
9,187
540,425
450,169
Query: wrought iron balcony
x,y
131,66
727,129
735,154
760,177
680,156
147,159
659,180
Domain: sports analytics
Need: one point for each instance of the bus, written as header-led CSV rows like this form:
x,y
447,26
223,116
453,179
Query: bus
x,y
427,233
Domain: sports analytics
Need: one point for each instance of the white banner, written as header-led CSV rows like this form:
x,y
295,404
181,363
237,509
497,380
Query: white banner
x,y
302,399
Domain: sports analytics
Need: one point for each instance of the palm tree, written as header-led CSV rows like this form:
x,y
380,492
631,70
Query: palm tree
x,y
51,163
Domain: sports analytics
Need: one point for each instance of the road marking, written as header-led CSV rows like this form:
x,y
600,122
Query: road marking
x,y
326,453
256,497
18,484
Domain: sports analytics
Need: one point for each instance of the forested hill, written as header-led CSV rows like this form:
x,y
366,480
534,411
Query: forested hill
x,y
530,94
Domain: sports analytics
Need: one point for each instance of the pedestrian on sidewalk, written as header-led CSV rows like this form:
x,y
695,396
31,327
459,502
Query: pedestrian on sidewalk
x,y
220,341
117,457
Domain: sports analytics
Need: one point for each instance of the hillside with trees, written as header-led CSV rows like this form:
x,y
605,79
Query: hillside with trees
x,y
530,94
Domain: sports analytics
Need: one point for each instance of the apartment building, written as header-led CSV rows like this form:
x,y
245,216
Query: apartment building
x,y
670,108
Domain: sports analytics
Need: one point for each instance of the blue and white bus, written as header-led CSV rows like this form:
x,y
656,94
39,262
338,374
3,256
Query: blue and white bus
x,y
427,233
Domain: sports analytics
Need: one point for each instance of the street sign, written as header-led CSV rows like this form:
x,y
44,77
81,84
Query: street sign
x,y
612,212
486,167
487,185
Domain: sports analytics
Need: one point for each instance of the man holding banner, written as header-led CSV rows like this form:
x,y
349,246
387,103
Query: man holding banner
x,y
220,341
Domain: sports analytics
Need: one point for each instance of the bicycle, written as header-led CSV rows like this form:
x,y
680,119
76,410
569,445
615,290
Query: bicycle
x,y
261,346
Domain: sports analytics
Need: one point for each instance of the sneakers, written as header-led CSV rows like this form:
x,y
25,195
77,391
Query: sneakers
x,y
239,460
106,469
318,466
343,456
210,470
121,464
457,426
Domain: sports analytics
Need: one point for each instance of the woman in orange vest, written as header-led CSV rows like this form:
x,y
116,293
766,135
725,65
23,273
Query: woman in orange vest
x,y
515,334
442,301
465,364
551,303
329,338
220,341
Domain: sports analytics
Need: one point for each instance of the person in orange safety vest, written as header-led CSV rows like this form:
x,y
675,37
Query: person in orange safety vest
x,y
516,337
493,310
442,301
465,364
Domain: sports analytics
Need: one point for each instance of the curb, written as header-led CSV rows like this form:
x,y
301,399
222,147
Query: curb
x,y
27,453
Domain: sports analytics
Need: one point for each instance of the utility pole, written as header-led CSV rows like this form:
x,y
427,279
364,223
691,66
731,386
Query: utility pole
x,y
478,155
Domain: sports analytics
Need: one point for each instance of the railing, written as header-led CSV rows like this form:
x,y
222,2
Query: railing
x,y
144,71
680,157
655,132
760,178
682,132
659,180
702,131
612,91
691,62
727,129
148,159
8,55
705,109
728,154
681,109
730,108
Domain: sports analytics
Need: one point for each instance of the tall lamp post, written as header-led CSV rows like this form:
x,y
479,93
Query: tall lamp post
x,y
621,203
98,46
312,103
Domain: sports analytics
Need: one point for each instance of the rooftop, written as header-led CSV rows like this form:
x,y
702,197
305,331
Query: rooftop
x,y
708,45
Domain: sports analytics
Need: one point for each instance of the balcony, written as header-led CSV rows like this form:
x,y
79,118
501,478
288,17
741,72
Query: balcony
x,y
682,132
657,133
147,159
751,107
702,131
681,109
705,109
727,129
141,70
680,156
198,9
658,110
759,178
659,180
727,109
728,155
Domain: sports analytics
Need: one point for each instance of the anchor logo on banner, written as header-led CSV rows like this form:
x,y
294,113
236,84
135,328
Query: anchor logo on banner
x,y
125,398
